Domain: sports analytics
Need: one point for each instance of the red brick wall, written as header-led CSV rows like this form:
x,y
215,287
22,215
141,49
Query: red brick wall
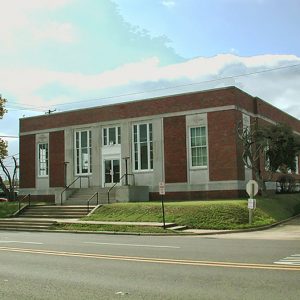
x,y
56,158
225,154
176,103
275,114
175,149
27,161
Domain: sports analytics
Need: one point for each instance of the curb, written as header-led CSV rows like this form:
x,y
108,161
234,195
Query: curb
x,y
175,233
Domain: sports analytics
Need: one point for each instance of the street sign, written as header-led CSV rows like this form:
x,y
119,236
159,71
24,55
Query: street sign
x,y
162,188
252,188
251,203
162,192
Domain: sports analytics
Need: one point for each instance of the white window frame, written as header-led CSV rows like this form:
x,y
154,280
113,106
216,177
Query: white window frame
x,y
44,160
106,136
297,165
89,147
149,142
201,146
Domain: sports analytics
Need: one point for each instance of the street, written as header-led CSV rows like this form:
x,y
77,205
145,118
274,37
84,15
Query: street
x,y
94,266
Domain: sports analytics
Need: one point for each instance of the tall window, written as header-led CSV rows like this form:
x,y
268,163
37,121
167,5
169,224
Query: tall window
x,y
111,136
83,152
198,146
143,147
297,164
43,159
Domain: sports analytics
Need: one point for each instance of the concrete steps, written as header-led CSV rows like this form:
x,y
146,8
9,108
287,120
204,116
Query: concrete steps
x,y
25,225
55,211
81,196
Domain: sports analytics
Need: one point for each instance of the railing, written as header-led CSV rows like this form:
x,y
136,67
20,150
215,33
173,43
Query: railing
x,y
110,189
91,198
79,177
21,200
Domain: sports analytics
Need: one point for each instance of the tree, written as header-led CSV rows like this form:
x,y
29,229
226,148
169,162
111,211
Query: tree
x,y
3,144
9,191
283,146
276,144
253,146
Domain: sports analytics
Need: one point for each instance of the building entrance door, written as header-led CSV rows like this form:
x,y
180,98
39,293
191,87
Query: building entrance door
x,y
111,171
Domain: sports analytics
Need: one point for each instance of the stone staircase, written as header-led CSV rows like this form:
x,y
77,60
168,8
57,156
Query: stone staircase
x,y
25,224
42,217
55,211
81,196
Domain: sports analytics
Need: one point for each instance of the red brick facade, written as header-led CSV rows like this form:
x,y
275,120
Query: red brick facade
x,y
57,157
175,154
170,104
223,109
225,160
27,161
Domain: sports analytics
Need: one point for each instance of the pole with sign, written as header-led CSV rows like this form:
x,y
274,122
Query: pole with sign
x,y
252,190
162,192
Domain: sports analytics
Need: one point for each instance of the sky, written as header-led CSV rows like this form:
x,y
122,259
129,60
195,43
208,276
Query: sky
x,y
67,54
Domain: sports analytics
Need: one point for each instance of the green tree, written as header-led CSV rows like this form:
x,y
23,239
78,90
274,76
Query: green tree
x,y
9,191
276,144
282,148
3,144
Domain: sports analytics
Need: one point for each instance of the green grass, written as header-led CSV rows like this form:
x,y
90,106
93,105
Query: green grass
x,y
111,228
7,209
221,214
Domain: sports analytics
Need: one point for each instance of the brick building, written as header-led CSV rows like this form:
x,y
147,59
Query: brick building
x,y
189,141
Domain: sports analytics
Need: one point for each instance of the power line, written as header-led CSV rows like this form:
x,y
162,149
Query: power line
x,y
182,85
40,108
9,136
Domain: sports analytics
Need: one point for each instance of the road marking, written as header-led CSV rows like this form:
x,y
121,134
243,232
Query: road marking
x,y
154,260
133,245
20,242
293,260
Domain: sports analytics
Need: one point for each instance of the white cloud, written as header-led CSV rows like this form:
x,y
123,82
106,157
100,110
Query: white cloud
x,y
280,87
168,3
18,19
54,31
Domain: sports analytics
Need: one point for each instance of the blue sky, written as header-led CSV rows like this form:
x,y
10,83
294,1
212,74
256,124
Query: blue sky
x,y
85,52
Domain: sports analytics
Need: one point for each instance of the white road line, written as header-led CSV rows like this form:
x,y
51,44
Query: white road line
x,y
294,260
133,245
19,242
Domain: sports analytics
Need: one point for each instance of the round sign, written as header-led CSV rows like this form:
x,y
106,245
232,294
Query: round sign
x,y
252,188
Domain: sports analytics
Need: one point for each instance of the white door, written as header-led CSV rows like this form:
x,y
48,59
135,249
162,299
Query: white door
x,y
111,168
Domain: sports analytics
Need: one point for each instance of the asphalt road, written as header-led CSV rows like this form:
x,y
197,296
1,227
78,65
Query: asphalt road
x,y
94,266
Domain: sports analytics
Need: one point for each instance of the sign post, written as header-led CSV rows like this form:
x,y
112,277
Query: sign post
x,y
162,192
252,190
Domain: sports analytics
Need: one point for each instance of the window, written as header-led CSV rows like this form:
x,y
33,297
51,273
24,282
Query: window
x,y
111,136
43,159
143,147
198,146
83,152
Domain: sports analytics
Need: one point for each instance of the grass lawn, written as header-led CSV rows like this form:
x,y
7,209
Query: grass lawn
x,y
112,228
8,208
221,214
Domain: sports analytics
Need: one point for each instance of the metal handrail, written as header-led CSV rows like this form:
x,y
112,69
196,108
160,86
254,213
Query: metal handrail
x,y
29,200
88,202
109,190
67,187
